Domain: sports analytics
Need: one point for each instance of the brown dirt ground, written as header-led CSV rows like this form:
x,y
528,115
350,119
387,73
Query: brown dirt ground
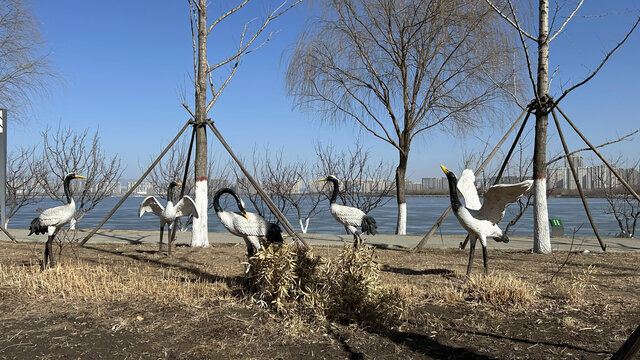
x,y
591,325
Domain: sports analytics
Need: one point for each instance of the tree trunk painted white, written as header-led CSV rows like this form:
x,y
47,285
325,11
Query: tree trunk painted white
x,y
402,219
6,224
304,227
401,171
542,245
541,239
200,234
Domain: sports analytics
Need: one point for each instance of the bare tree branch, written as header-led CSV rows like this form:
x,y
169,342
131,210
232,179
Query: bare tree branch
x,y
66,151
606,58
566,21
21,182
513,23
622,138
24,70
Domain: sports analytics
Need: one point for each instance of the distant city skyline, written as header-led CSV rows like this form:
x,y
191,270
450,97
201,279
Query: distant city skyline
x,y
125,75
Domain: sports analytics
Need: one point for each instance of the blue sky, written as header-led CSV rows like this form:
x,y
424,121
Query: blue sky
x,y
125,66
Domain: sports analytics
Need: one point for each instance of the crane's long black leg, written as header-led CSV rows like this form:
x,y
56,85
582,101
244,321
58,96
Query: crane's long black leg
x,y
170,234
161,231
357,240
48,253
45,260
484,259
472,249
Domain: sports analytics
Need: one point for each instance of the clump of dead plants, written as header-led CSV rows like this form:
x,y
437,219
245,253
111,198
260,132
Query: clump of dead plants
x,y
498,290
347,289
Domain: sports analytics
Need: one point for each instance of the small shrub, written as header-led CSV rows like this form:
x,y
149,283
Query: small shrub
x,y
356,294
295,282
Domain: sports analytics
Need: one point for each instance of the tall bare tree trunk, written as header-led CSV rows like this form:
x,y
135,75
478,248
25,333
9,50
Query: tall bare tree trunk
x,y
541,239
401,172
200,232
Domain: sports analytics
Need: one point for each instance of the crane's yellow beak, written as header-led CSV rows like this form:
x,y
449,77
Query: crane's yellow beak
x,y
323,179
81,177
446,171
179,184
244,213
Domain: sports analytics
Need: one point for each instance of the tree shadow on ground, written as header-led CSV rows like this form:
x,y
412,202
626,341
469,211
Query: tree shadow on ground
x,y
424,345
407,271
539,342
231,281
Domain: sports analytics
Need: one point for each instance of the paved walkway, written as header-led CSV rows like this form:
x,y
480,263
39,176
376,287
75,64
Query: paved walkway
x,y
381,240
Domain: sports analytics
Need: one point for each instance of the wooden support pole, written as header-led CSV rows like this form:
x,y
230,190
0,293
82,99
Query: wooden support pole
x,y
8,234
126,195
172,235
629,348
274,209
613,170
435,226
577,181
504,165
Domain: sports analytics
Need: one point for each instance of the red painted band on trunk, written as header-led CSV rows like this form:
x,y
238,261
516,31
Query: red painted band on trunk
x,y
201,178
539,176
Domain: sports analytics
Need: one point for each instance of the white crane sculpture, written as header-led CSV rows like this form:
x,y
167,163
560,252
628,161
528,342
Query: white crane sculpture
x,y
350,217
168,214
52,220
249,226
481,221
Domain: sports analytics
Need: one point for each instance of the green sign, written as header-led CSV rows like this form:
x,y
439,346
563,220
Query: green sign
x,y
555,222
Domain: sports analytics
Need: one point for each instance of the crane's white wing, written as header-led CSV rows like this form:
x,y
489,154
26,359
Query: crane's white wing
x,y
498,196
58,215
467,187
347,215
256,225
185,207
150,204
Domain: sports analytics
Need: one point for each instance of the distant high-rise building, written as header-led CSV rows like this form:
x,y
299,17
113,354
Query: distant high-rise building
x,y
577,161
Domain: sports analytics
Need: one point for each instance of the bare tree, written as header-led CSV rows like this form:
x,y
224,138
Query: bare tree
x,y
21,184
279,179
620,203
250,40
400,68
24,69
543,102
307,201
289,184
67,151
366,184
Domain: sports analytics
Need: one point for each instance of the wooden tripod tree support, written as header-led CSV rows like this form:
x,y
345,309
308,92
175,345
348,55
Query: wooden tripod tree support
x,y
274,209
8,234
505,162
126,195
629,348
611,168
444,215
574,172
172,235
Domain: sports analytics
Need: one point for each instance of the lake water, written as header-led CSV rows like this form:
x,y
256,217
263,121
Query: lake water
x,y
422,214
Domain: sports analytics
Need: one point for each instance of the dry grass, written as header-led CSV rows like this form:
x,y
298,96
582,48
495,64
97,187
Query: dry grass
x,y
574,290
102,283
150,306
499,290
